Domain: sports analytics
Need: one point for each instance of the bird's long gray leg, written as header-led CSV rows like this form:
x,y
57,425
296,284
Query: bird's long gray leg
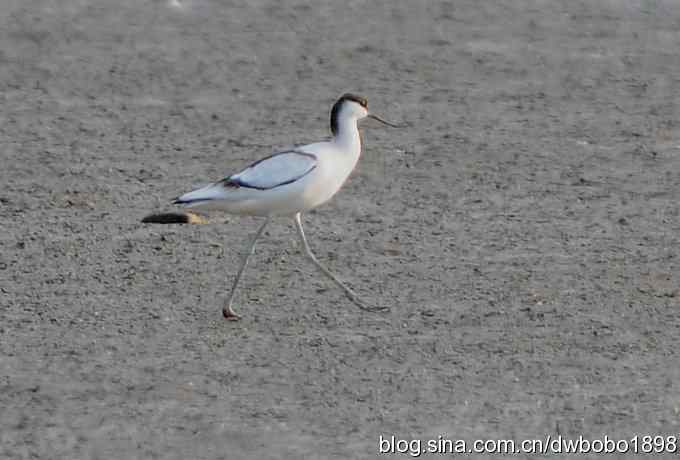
x,y
227,311
348,292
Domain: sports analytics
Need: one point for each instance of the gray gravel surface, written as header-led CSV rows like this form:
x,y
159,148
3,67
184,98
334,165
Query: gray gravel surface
x,y
523,231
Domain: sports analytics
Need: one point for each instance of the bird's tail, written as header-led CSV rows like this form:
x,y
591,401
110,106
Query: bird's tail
x,y
201,197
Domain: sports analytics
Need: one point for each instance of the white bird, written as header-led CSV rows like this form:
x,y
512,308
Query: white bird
x,y
291,182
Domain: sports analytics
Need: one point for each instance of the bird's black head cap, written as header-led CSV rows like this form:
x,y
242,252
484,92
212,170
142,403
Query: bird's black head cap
x,y
335,111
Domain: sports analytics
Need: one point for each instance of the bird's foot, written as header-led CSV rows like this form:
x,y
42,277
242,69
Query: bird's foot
x,y
366,307
229,314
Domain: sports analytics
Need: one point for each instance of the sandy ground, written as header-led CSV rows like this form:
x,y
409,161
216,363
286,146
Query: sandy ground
x,y
523,232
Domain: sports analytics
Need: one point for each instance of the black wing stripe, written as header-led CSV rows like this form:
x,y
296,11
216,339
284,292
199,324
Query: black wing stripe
x,y
236,183
195,200
299,152
229,182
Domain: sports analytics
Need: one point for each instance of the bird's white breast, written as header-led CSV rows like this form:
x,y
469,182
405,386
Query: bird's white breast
x,y
333,168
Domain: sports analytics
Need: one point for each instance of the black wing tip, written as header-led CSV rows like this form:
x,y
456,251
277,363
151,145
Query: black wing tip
x,y
197,200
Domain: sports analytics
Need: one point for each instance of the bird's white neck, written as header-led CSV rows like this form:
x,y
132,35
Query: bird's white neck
x,y
347,136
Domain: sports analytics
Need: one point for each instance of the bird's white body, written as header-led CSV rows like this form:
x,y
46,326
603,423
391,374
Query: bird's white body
x,y
287,182
290,183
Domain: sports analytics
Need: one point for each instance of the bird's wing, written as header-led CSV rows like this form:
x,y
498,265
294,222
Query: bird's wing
x,y
278,169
